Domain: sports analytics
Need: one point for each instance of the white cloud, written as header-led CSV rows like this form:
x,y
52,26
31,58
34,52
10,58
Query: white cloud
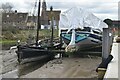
x,y
102,8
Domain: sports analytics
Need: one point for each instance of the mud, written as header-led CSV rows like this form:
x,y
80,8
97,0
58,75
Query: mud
x,y
78,67
67,68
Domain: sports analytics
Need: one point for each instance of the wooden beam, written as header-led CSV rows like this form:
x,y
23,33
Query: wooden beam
x,y
105,43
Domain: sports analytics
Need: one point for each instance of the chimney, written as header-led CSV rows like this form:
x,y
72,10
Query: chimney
x,y
15,11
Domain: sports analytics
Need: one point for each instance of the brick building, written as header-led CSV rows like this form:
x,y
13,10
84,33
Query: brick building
x,y
116,23
16,20
23,21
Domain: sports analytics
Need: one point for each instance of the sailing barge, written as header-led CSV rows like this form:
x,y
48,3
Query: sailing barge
x,y
37,51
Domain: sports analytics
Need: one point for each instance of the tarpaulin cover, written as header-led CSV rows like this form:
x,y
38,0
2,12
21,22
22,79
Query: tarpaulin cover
x,y
79,18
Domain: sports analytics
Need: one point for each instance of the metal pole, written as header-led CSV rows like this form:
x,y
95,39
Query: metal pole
x,y
51,9
105,44
38,23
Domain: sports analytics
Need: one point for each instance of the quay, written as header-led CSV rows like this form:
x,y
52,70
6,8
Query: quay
x,y
112,69
108,69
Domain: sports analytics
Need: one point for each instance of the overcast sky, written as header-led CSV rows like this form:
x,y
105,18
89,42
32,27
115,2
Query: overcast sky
x,y
101,8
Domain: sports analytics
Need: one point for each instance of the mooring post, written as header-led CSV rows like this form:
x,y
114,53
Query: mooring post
x,y
105,53
105,44
107,39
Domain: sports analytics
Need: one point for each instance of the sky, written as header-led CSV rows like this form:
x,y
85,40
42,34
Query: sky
x,y
101,8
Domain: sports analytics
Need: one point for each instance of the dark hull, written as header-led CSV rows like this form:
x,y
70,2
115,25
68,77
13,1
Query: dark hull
x,y
26,52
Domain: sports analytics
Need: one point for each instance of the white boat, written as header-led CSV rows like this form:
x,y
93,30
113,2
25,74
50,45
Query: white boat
x,y
80,29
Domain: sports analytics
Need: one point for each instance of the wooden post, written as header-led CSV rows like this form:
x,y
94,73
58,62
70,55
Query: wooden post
x,y
51,10
105,52
105,43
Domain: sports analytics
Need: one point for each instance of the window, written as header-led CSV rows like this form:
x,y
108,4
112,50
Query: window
x,y
21,16
8,16
4,22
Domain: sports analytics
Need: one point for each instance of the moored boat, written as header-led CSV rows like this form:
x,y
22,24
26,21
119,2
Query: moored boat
x,y
83,39
80,29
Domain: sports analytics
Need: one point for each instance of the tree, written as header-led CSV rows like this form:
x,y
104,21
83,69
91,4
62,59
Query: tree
x,y
7,7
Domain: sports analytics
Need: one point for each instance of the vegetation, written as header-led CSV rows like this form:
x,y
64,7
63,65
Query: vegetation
x,y
6,42
12,35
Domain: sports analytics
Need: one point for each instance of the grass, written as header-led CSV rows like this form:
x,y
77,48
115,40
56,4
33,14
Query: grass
x,y
6,42
23,35
9,38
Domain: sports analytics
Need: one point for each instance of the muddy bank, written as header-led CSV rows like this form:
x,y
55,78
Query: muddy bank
x,y
9,61
7,46
0,65
9,64
67,68
27,68
10,68
78,67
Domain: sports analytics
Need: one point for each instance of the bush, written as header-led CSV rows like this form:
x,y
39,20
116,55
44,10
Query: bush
x,y
11,29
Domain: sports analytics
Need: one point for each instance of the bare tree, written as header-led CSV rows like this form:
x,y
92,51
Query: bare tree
x,y
7,7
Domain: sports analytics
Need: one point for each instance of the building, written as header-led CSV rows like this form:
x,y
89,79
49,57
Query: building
x,y
16,20
46,16
23,21
116,23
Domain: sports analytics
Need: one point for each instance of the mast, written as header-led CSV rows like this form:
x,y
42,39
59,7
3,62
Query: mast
x,y
51,11
38,23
